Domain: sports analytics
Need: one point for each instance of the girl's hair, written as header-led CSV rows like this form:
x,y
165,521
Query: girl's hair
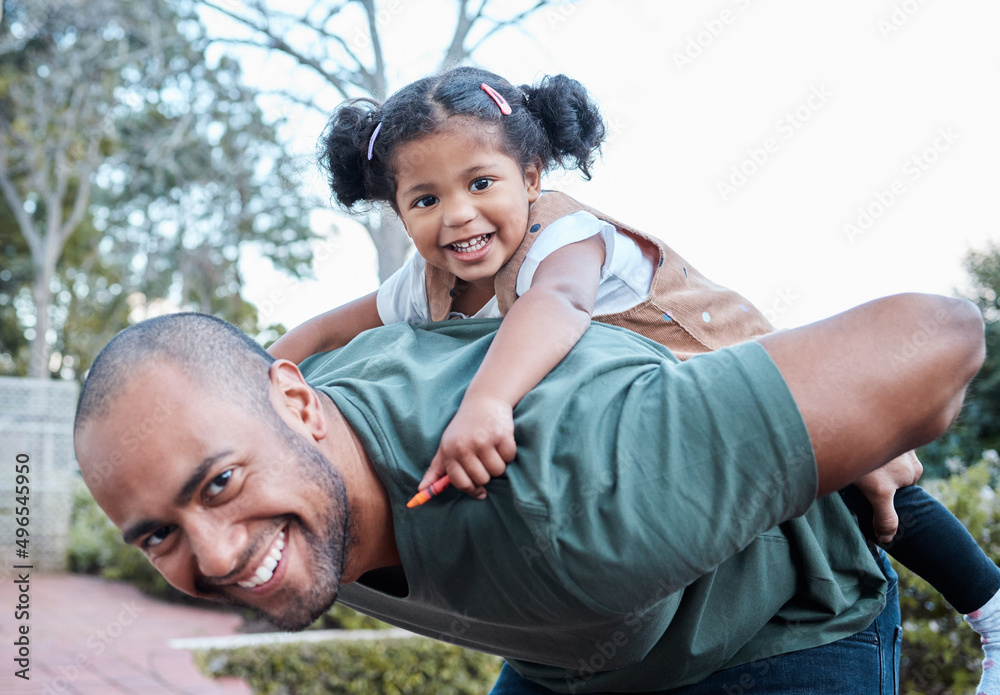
x,y
554,122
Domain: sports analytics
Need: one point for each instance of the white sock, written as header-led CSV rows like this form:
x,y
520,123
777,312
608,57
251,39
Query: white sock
x,y
986,621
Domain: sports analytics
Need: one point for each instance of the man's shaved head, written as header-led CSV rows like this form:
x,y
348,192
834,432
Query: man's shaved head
x,y
209,350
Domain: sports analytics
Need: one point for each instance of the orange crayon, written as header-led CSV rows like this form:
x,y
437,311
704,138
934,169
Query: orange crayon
x,y
432,490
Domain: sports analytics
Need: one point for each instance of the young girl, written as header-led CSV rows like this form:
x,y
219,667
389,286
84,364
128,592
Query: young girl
x,y
459,157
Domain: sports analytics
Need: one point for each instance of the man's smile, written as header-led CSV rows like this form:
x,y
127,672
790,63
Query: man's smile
x,y
266,569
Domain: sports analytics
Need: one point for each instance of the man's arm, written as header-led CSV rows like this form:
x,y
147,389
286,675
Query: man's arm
x,y
879,380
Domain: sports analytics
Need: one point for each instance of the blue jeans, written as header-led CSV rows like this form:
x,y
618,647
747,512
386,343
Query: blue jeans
x,y
866,663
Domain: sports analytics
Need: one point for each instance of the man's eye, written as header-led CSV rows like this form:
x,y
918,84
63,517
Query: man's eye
x,y
425,202
158,536
217,484
481,184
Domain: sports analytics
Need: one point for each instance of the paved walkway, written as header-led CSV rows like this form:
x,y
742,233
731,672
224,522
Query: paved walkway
x,y
89,636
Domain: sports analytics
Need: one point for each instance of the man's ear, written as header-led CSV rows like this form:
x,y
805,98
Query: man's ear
x,y
533,180
295,401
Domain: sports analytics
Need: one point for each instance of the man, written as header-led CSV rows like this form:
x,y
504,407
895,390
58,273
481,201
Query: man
x,y
657,526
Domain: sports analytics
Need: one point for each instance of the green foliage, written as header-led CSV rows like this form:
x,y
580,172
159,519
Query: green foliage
x,y
341,617
978,427
941,654
984,270
392,667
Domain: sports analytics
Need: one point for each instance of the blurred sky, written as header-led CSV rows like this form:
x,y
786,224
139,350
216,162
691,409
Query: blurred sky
x,y
809,155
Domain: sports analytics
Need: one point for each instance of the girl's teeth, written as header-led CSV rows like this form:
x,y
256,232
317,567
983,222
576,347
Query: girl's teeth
x,y
471,245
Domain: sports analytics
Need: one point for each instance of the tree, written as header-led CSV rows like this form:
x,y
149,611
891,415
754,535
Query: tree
x,y
182,213
342,44
51,140
89,301
112,114
15,279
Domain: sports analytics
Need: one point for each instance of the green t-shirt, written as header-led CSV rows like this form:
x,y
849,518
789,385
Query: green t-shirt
x,y
644,537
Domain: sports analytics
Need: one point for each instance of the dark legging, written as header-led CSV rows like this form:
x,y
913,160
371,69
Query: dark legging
x,y
935,546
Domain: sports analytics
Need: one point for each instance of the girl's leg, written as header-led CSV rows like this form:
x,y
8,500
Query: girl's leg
x,y
932,543
986,621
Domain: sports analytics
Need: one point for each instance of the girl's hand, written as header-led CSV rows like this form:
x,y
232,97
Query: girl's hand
x,y
476,446
880,486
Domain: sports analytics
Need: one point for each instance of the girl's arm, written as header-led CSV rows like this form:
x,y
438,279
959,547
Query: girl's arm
x,y
328,331
541,327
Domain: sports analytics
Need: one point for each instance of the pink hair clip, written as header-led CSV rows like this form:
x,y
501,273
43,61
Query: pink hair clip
x,y
371,142
495,96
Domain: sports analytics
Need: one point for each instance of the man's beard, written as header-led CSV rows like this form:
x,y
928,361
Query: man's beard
x,y
329,551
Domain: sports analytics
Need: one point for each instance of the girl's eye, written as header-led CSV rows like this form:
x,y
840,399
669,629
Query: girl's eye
x,y
481,184
425,202
217,484
158,536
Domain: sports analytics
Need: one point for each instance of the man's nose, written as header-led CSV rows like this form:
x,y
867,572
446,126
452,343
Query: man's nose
x,y
217,547
458,211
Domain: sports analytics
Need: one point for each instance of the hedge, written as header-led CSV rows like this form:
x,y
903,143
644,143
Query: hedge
x,y
416,666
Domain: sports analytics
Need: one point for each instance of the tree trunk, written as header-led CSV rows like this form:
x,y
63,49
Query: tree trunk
x,y
391,243
38,366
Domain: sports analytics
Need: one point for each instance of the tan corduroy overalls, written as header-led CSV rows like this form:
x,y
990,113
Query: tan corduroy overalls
x,y
685,311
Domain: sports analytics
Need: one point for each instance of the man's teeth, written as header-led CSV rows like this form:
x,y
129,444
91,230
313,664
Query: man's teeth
x,y
266,569
472,244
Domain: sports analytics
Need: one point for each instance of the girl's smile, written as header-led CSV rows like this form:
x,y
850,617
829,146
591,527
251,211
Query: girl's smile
x,y
472,249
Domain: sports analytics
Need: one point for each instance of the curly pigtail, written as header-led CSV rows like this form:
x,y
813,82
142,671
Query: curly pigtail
x,y
343,152
571,120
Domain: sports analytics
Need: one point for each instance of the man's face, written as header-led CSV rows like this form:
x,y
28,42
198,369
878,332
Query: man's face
x,y
226,506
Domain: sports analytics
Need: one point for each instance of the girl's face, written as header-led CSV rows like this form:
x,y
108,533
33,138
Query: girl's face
x,y
463,202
